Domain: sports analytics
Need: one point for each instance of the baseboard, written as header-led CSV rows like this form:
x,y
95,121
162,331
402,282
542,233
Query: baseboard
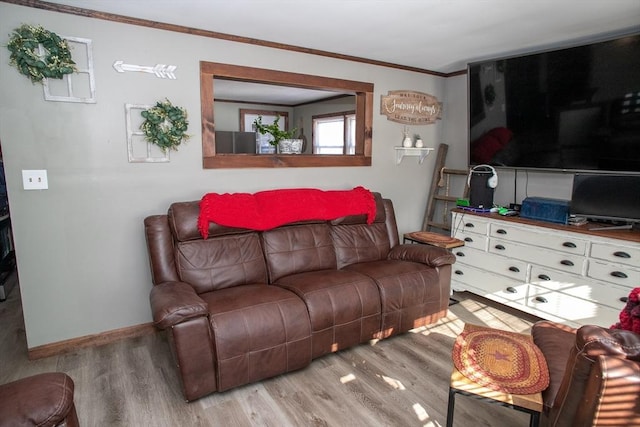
x,y
103,338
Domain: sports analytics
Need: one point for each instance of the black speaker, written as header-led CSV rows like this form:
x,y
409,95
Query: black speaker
x,y
482,181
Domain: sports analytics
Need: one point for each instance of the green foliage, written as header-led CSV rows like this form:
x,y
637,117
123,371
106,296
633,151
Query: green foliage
x,y
274,130
25,53
165,125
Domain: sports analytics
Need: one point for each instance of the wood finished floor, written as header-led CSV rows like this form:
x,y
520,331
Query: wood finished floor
x,y
402,381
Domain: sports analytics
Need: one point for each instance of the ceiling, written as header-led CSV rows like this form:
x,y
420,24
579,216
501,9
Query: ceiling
x,y
435,35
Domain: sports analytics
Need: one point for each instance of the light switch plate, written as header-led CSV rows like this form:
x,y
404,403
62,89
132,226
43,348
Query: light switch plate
x,y
35,180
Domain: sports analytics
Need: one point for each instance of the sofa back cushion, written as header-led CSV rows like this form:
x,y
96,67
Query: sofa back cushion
x,y
297,249
228,257
356,241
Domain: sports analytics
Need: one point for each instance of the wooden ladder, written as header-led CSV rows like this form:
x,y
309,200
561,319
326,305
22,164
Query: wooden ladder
x,y
439,182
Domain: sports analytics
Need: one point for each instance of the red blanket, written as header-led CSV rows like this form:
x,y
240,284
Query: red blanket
x,y
269,209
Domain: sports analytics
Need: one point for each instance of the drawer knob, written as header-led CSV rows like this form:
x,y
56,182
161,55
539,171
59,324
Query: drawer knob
x,y
514,269
567,262
501,231
621,254
500,247
569,245
543,277
511,290
623,299
468,239
459,272
540,299
460,253
619,274
469,225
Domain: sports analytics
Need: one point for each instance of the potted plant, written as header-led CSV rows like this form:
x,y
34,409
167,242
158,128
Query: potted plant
x,y
282,139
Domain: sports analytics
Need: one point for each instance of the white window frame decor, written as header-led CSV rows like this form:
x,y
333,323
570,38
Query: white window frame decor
x,y
69,78
154,154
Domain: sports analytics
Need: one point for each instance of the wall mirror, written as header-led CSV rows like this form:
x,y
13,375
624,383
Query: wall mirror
x,y
230,93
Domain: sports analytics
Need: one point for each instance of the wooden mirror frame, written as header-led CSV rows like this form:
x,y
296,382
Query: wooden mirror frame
x,y
364,118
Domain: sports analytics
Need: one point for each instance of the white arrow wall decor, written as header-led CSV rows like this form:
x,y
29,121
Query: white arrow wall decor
x,y
160,70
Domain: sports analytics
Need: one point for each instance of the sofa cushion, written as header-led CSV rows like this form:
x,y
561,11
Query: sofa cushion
x,y
221,262
298,249
555,341
360,243
343,306
183,220
258,332
410,296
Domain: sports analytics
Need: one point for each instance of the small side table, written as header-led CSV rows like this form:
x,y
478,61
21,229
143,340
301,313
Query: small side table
x,y
530,403
433,239
500,367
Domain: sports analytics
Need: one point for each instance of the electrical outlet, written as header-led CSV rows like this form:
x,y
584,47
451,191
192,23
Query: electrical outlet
x,y
35,180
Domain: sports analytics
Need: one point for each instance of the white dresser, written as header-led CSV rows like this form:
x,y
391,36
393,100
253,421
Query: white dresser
x,y
562,273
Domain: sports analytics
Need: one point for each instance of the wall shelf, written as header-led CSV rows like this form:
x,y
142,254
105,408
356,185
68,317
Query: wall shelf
x,y
401,152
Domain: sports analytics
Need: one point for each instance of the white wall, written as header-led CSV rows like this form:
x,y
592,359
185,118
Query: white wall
x,y
80,245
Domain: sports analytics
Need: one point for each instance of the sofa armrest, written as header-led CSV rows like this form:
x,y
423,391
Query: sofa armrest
x,y
591,343
430,255
175,302
611,393
594,340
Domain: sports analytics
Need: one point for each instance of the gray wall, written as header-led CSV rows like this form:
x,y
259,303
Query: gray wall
x,y
80,246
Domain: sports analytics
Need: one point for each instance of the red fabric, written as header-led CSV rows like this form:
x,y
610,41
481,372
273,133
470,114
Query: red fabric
x,y
630,314
484,148
269,209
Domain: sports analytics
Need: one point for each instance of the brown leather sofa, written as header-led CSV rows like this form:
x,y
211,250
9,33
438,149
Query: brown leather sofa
x,y
44,400
243,305
594,375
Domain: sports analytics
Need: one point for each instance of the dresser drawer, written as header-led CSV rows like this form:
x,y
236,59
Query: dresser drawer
x,y
561,261
482,282
576,311
469,224
614,273
618,254
509,267
472,240
580,287
549,241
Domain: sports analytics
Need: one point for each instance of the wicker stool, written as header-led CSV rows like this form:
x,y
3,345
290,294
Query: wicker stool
x,y
44,400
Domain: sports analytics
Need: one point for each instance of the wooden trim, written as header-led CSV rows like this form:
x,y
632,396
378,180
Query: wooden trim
x,y
89,13
286,160
103,338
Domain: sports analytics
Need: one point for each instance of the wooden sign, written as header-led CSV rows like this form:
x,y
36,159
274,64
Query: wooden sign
x,y
410,107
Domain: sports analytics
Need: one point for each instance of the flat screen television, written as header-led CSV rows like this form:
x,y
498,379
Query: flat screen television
x,y
572,109
609,198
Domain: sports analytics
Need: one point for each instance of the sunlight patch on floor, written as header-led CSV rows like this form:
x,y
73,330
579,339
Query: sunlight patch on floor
x,y
420,412
396,384
347,378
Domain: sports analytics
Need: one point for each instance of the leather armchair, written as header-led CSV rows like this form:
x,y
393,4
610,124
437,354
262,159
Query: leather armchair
x,y
44,400
594,375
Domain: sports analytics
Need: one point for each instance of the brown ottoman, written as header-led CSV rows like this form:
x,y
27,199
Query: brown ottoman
x,y
44,400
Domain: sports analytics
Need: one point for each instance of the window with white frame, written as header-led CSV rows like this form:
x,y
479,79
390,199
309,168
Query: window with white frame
x,y
334,133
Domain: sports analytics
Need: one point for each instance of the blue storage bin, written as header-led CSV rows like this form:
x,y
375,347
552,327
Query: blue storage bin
x,y
545,209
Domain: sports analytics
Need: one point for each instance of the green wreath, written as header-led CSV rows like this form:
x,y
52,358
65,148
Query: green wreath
x,y
165,125
25,54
